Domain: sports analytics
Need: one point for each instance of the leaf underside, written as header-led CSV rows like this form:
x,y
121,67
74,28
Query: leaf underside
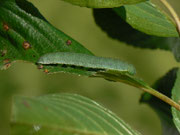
x,y
65,114
102,3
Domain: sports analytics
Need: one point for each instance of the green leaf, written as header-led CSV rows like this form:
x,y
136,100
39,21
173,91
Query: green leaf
x,y
107,68
26,35
163,85
174,46
147,18
66,114
102,3
176,97
118,29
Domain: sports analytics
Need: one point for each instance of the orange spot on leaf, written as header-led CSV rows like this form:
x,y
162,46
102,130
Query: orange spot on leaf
x,y
46,71
5,26
68,42
3,53
26,45
5,61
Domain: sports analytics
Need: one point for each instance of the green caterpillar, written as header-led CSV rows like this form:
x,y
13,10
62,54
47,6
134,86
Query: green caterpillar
x,y
86,61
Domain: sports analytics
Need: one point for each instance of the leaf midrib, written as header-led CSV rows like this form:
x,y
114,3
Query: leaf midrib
x,y
55,127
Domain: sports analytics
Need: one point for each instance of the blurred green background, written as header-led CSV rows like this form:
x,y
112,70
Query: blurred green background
x,y
26,79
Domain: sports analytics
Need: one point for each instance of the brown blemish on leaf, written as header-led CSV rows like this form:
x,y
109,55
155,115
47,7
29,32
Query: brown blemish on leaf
x,y
5,26
5,61
46,71
26,104
40,66
26,45
3,53
68,42
7,65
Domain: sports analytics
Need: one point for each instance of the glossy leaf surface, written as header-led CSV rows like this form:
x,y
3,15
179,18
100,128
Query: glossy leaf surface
x,y
26,35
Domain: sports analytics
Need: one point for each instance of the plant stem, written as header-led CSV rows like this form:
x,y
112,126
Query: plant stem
x,y
157,94
154,92
138,83
162,97
173,13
